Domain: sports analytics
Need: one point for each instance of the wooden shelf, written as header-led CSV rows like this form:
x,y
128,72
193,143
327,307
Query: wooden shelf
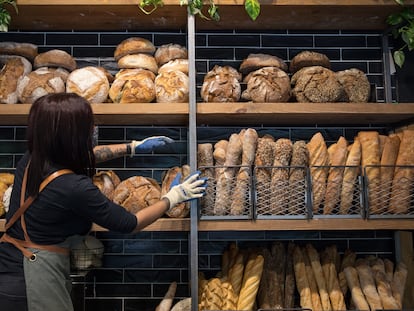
x,y
341,224
236,113
275,14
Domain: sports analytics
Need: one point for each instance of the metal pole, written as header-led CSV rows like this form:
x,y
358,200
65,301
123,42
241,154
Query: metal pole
x,y
192,154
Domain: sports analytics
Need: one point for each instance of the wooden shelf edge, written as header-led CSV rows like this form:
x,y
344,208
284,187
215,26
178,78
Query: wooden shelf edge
x,y
320,224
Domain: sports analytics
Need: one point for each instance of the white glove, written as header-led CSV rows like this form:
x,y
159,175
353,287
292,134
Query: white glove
x,y
192,188
6,198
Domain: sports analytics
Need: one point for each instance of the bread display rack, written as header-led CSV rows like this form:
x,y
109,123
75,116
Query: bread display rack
x,y
285,14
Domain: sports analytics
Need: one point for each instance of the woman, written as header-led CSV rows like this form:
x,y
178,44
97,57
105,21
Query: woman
x,y
54,203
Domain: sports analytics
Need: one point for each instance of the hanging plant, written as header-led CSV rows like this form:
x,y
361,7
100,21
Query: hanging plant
x,y
5,17
403,27
195,7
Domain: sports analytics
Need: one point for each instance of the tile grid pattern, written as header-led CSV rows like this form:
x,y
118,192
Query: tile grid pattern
x,y
138,268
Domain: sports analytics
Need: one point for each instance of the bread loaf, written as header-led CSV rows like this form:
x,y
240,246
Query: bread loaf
x,y
12,72
133,45
302,283
167,302
221,84
358,297
370,160
26,50
313,284
106,181
239,204
279,183
318,161
250,285
356,85
7,178
316,84
308,59
3,188
133,86
255,61
403,176
225,180
90,83
297,175
399,282
172,87
205,164
236,272
176,64
289,297
37,84
169,52
368,286
268,84
384,291
335,176
139,60
136,193
180,210
388,160
351,172
55,58
319,277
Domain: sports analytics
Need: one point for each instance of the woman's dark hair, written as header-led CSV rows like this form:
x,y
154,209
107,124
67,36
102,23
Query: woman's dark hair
x,y
59,133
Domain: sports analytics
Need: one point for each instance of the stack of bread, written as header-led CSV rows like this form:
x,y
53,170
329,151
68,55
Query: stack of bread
x,y
266,79
273,277
383,159
236,286
314,81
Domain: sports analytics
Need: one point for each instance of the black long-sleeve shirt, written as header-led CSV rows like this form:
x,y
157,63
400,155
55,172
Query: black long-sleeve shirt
x,y
67,206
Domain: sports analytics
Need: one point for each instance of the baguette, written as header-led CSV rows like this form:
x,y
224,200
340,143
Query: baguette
x,y
384,290
357,295
302,283
263,161
278,266
225,180
403,176
251,281
280,176
335,176
167,302
289,295
318,161
239,204
367,282
205,163
350,175
313,283
398,282
370,160
297,175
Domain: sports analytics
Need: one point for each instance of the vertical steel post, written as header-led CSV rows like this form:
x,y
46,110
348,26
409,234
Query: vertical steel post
x,y
192,155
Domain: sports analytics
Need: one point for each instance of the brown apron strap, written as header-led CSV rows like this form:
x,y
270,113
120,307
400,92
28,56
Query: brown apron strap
x,y
24,205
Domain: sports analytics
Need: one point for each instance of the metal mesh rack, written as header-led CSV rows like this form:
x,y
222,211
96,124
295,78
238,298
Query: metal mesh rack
x,y
281,197
339,195
391,195
229,193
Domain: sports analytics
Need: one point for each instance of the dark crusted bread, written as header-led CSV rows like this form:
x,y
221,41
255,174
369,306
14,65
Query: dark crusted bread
x,y
355,84
259,60
55,58
133,45
308,59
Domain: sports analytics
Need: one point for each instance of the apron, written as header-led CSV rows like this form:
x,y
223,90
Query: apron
x,y
46,267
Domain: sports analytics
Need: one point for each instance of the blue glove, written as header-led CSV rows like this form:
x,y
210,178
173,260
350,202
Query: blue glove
x,y
192,188
149,144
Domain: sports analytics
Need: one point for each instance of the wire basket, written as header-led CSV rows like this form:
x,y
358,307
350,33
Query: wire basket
x,y
337,192
228,193
281,192
85,258
390,195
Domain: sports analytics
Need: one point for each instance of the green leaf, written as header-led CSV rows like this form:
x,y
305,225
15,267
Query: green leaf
x,y
394,19
213,12
399,58
400,2
252,8
407,14
144,5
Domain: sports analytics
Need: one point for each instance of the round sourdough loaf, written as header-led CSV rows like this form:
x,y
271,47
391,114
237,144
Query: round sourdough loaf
x,y
26,50
133,45
133,86
12,72
316,84
356,85
39,83
180,64
172,87
55,58
259,60
268,84
221,84
139,60
62,72
89,82
168,52
308,59
106,181
136,193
